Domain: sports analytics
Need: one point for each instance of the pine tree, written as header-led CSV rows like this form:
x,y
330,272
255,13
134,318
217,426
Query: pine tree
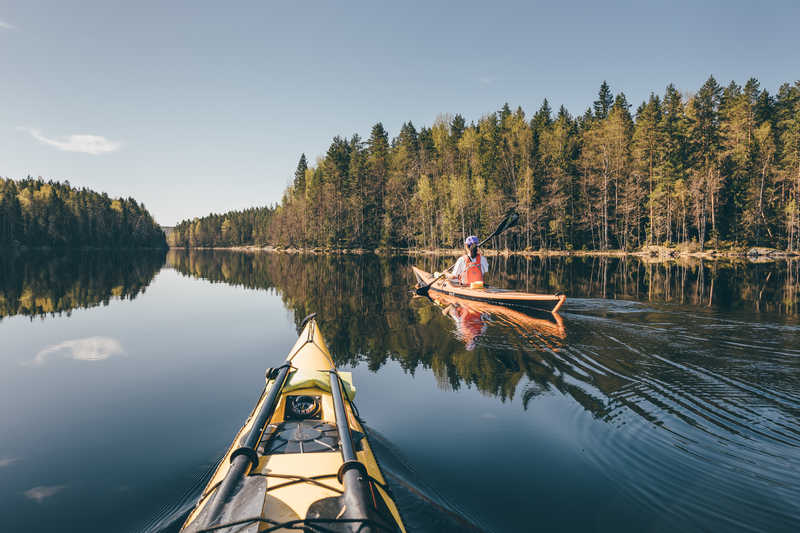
x,y
646,142
604,100
706,179
300,176
457,127
788,112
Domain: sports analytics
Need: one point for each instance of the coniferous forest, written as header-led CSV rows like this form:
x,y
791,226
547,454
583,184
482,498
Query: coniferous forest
x,y
719,167
38,213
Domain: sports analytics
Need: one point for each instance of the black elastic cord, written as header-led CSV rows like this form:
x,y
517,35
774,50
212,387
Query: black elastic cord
x,y
309,522
300,479
315,480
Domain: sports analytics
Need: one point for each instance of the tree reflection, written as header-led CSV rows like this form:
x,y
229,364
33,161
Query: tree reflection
x,y
368,315
41,284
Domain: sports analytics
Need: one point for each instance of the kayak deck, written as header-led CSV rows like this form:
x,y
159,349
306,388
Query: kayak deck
x,y
297,476
497,296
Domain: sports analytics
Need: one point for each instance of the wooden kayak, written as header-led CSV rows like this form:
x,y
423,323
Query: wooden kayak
x,y
302,461
505,297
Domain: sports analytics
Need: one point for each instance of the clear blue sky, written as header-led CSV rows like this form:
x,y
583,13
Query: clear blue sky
x,y
200,107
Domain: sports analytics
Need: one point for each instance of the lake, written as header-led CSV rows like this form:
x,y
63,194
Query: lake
x,y
665,397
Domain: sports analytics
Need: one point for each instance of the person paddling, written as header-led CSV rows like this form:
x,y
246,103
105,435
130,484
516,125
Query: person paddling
x,y
470,267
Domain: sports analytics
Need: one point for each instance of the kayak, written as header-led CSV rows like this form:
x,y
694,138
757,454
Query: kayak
x,y
302,460
492,295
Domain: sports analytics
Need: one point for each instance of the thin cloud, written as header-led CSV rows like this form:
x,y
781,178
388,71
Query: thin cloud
x,y
39,494
486,80
91,349
6,26
83,143
6,461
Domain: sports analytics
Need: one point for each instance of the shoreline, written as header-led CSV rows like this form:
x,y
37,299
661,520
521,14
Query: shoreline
x,y
25,249
651,253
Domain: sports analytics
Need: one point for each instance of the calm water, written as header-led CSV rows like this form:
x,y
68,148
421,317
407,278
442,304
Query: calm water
x,y
664,398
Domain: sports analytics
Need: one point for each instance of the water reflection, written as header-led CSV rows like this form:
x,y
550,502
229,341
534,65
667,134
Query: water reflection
x,y
772,287
668,357
472,319
89,349
42,284
470,322
665,397
368,316
39,494
365,313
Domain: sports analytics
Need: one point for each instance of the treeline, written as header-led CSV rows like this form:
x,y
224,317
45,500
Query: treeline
x,y
230,229
38,213
719,166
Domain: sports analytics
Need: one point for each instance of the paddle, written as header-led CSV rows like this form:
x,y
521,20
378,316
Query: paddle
x,y
509,221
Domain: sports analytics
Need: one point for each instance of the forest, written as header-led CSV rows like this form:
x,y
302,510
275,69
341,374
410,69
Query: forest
x,y
719,167
36,213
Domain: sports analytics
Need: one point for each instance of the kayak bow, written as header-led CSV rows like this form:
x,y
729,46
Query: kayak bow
x,y
525,300
302,460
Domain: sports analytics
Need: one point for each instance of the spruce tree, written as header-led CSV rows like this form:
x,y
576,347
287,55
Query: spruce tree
x,y
300,176
604,100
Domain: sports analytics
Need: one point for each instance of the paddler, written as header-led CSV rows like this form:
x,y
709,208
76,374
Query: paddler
x,y
470,267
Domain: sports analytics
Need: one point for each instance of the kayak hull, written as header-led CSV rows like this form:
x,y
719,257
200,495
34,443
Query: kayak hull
x,y
514,299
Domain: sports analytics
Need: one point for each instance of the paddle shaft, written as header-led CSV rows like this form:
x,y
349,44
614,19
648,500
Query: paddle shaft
x,y
240,461
352,473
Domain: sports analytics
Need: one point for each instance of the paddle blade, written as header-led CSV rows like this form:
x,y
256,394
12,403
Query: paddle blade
x,y
423,290
509,221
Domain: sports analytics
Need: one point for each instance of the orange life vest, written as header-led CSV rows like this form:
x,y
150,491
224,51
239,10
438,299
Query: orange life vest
x,y
472,270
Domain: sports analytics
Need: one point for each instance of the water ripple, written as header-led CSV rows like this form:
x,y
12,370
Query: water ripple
x,y
705,407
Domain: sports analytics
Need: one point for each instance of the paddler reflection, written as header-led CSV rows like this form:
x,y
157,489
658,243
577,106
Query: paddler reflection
x,y
471,324
472,319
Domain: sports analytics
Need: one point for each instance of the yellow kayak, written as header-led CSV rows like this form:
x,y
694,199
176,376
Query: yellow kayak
x,y
302,460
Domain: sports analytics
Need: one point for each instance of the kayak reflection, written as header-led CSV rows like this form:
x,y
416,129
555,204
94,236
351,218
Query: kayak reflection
x,y
472,320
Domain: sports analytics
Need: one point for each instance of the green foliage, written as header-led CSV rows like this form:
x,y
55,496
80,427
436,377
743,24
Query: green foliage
x,y
38,213
722,164
249,226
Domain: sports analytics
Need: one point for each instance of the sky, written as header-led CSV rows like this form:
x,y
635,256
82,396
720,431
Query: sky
x,y
198,107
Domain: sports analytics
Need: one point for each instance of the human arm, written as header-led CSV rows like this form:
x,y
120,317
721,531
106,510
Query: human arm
x,y
457,269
